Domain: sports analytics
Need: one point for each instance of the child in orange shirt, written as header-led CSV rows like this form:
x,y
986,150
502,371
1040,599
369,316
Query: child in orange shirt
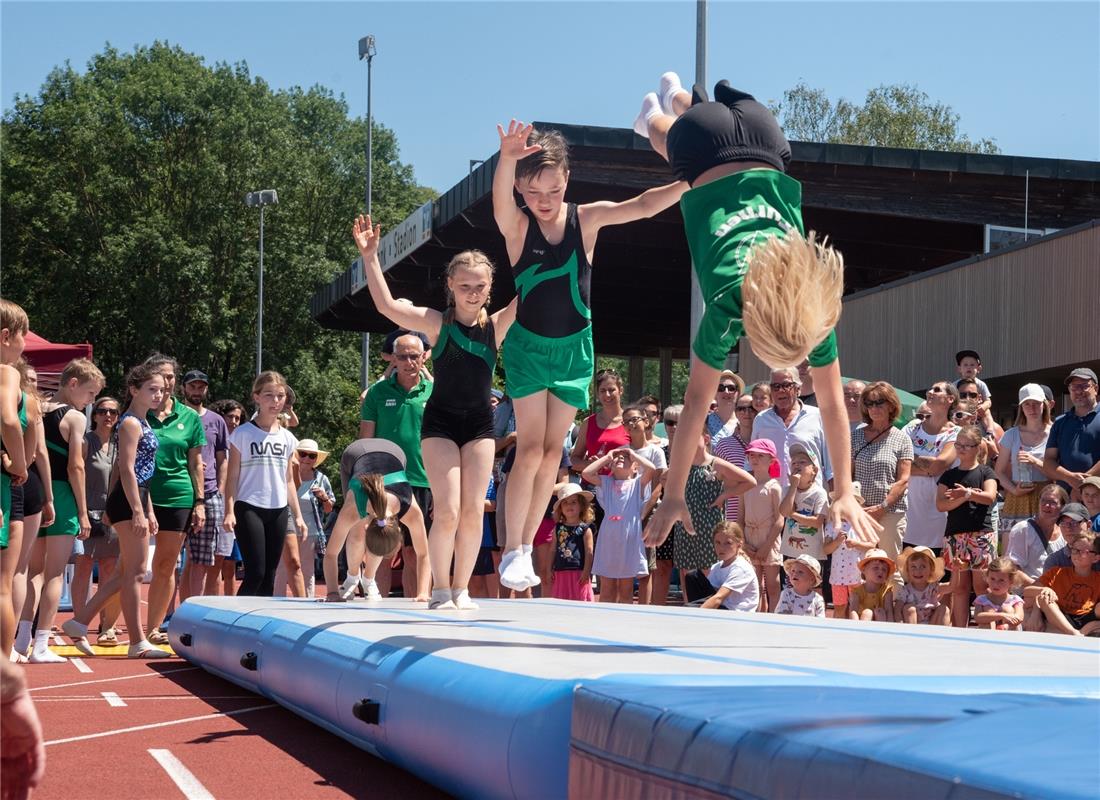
x,y
1066,597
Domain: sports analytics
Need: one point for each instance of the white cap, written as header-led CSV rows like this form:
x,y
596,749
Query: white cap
x,y
1032,391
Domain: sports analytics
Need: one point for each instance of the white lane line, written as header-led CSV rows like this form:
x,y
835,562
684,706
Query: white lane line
x,y
79,664
109,680
113,699
58,640
153,725
181,776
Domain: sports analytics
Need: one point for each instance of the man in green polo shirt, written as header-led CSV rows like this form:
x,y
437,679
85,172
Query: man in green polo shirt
x,y
393,409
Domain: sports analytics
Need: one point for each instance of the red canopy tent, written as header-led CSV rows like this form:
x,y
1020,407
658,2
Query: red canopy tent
x,y
49,358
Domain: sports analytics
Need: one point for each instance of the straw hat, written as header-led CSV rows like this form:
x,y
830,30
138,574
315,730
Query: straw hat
x,y
310,446
876,554
937,562
809,562
857,490
569,490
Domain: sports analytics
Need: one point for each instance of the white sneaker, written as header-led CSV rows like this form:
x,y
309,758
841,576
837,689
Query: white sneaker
x,y
462,600
370,589
347,588
530,575
512,573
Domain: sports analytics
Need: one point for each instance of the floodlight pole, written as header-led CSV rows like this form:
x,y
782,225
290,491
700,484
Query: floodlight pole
x,y
367,51
262,198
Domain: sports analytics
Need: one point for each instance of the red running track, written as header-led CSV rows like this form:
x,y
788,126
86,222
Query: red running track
x,y
181,732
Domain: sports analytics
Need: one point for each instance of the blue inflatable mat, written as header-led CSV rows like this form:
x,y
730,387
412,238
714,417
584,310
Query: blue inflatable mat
x,y
827,742
481,703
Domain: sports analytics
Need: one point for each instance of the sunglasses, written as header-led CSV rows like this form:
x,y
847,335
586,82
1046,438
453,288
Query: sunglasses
x,y
786,386
745,410
969,395
961,415
634,421
921,417
310,456
873,403
726,388
105,411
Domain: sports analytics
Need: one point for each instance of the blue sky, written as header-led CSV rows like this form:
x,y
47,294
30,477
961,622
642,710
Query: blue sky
x,y
1026,74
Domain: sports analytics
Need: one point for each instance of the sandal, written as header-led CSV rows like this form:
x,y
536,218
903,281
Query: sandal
x,y
157,637
107,638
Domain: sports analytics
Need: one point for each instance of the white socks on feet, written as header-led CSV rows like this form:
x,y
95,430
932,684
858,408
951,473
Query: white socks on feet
x,y
78,633
441,600
23,636
41,654
670,86
462,601
370,589
347,588
651,107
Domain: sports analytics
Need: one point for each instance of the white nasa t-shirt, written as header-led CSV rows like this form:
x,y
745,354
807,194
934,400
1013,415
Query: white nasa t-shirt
x,y
264,460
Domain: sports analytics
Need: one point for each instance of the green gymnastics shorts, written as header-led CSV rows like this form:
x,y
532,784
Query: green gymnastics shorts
x,y
563,367
67,518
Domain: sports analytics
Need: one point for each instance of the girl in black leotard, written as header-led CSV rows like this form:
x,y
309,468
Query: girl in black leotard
x,y
457,433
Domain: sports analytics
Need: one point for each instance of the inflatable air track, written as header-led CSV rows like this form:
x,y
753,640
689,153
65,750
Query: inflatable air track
x,y
552,699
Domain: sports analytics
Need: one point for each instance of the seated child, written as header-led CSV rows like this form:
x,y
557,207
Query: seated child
x,y
763,520
620,555
845,550
999,609
918,600
1066,597
759,274
799,598
731,583
573,543
874,598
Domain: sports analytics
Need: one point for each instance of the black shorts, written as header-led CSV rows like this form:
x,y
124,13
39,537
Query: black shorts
x,y
423,497
118,507
1078,621
735,128
16,511
456,425
173,519
484,563
34,498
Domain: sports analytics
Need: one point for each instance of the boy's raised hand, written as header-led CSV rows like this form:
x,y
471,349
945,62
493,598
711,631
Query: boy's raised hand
x,y
513,142
366,236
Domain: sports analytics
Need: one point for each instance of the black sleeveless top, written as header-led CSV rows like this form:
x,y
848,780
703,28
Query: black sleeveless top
x,y
56,446
393,476
463,358
554,282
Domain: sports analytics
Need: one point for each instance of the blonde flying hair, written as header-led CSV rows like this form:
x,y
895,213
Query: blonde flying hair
x,y
467,259
383,532
791,297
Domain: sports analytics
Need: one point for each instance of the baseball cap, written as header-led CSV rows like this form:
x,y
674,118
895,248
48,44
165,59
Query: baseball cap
x,y
1032,391
1075,511
195,375
1082,372
1092,480
810,454
959,356
1048,393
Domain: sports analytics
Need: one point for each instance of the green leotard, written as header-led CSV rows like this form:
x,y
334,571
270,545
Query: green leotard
x,y
724,221
5,481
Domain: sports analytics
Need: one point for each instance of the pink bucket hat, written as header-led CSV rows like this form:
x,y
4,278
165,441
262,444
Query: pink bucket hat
x,y
766,446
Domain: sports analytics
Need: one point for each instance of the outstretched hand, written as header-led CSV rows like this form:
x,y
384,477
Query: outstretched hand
x,y
668,513
845,508
513,142
366,236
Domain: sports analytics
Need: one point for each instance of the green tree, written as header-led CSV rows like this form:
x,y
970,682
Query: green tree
x,y
891,116
125,224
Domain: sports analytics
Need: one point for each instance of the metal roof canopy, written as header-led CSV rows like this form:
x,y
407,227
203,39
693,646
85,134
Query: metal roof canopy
x,y
892,213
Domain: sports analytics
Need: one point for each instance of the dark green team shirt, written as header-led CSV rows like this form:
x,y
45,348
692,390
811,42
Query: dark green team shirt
x,y
397,416
181,430
725,220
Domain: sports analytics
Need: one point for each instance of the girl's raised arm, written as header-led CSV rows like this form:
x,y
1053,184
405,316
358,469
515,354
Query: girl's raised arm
x,y
404,315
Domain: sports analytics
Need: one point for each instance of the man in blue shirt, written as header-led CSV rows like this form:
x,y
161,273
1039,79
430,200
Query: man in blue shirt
x,y
1073,447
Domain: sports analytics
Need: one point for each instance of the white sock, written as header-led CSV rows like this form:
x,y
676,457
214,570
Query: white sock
x,y
41,654
651,107
527,549
462,600
670,87
23,636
